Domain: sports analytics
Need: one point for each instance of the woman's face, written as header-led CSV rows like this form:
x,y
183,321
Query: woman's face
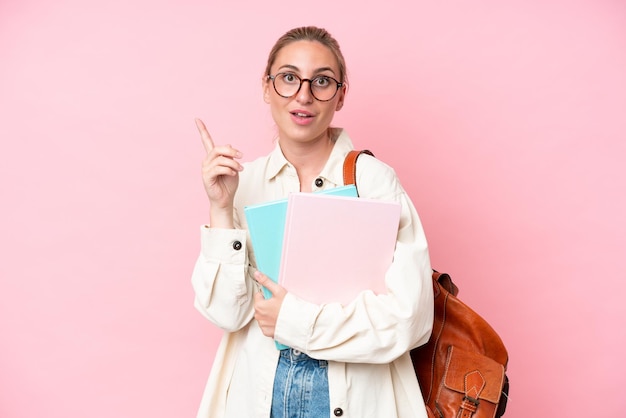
x,y
301,117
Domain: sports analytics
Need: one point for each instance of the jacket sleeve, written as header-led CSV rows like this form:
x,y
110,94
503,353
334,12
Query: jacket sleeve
x,y
223,290
372,328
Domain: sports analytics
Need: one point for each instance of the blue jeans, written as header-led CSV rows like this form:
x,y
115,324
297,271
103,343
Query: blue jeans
x,y
300,387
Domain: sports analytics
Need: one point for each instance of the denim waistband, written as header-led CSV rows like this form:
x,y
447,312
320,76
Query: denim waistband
x,y
297,356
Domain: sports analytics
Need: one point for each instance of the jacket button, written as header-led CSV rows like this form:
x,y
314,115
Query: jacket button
x,y
237,245
338,412
319,182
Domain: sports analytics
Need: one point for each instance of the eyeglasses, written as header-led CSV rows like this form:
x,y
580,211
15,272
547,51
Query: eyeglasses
x,y
322,87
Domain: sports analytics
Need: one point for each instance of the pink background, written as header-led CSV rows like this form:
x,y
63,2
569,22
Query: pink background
x,y
506,122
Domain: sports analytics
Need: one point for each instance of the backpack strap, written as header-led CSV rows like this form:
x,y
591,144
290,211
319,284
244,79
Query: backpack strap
x,y
349,166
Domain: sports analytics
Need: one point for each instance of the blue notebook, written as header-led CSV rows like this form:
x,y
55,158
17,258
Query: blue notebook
x,y
266,225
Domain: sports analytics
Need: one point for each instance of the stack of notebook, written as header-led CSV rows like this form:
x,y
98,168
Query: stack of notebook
x,y
324,247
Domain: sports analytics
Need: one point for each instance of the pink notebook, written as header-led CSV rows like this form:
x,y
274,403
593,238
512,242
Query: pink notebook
x,y
335,247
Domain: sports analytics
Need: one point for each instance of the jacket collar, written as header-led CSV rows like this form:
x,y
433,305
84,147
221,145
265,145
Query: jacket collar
x,y
332,171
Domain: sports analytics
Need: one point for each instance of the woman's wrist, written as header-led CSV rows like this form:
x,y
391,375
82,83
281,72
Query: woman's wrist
x,y
221,218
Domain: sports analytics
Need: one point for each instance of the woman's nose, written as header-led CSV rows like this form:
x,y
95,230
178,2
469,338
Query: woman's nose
x,y
304,95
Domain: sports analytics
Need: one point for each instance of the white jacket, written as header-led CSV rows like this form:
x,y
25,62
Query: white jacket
x,y
365,342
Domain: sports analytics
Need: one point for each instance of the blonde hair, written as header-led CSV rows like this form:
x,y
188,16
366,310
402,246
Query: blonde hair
x,y
309,33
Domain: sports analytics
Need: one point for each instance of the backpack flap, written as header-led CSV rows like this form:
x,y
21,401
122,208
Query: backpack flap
x,y
471,386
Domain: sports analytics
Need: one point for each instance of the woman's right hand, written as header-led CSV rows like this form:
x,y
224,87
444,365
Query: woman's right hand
x,y
220,175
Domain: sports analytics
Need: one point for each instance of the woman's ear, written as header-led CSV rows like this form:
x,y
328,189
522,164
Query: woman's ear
x,y
342,97
266,89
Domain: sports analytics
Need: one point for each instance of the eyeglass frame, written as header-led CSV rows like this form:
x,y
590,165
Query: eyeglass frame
x,y
302,80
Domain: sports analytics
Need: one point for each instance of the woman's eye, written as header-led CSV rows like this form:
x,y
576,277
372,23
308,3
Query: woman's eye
x,y
322,81
290,78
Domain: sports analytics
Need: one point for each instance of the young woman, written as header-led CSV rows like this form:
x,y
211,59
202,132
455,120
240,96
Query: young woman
x,y
345,360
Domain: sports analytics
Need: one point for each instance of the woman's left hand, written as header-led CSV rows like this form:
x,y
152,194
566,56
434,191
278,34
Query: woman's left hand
x,y
266,310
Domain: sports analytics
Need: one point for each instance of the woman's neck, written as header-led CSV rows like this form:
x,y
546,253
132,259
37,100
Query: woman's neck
x,y
308,158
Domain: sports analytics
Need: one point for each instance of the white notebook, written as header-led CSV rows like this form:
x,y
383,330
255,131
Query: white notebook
x,y
335,247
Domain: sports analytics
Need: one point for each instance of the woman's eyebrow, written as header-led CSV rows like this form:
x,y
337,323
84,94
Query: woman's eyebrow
x,y
320,70
296,69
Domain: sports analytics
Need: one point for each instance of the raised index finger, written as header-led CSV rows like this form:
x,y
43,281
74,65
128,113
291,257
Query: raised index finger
x,y
207,142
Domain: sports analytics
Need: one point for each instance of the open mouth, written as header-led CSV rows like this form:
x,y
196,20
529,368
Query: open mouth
x,y
302,115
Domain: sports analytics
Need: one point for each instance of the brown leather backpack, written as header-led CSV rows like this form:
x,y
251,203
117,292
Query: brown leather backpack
x,y
461,369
